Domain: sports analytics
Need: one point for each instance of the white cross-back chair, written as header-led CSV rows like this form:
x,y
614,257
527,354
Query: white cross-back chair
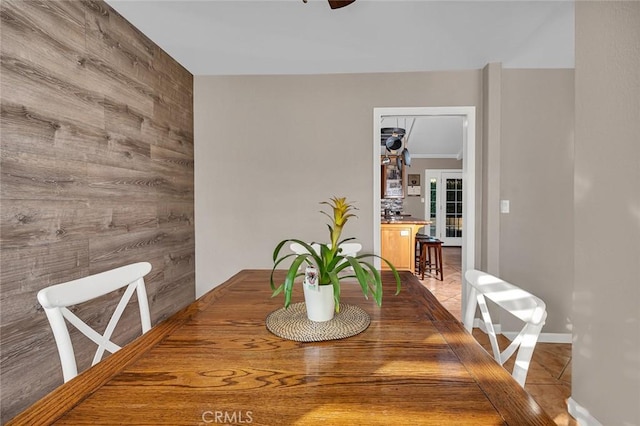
x,y
57,298
348,249
300,249
523,305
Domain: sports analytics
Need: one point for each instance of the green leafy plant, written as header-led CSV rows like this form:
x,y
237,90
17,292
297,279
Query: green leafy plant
x,y
329,261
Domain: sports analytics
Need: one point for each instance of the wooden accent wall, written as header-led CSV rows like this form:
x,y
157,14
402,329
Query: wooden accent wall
x,y
96,172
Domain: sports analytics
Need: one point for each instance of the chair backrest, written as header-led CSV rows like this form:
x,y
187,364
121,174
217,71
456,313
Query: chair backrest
x,y
57,298
523,305
348,249
299,248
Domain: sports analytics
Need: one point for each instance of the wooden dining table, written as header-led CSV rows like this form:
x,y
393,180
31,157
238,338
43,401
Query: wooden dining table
x,y
215,362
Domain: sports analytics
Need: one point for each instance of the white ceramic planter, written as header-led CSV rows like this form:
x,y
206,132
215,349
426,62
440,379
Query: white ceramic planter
x,y
320,304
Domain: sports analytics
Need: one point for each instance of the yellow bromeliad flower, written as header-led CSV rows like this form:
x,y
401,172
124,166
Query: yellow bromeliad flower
x,y
341,214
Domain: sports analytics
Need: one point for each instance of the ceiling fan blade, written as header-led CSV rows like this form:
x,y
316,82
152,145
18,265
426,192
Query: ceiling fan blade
x,y
336,4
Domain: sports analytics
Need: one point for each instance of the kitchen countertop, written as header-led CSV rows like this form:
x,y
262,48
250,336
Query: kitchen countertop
x,y
403,221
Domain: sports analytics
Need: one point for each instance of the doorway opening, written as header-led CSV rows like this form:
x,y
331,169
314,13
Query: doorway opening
x,y
468,116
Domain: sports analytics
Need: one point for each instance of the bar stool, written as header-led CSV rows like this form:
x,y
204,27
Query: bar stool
x,y
431,257
419,238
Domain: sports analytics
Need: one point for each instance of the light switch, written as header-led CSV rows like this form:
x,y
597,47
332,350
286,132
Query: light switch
x,y
504,206
422,200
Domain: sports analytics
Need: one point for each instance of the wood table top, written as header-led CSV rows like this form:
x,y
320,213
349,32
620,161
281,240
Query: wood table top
x,y
215,362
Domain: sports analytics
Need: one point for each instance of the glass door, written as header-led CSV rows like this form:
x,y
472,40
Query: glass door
x,y
432,203
444,206
451,233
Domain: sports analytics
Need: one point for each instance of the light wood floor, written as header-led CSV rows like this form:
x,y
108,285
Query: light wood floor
x,y
549,378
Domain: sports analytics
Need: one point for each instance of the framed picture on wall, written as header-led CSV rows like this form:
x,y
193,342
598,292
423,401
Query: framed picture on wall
x,y
394,188
413,185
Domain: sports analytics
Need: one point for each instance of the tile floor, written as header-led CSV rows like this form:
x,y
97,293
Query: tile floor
x,y
549,378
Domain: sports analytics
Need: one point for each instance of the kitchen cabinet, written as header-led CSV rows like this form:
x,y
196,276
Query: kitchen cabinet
x,y
392,178
397,243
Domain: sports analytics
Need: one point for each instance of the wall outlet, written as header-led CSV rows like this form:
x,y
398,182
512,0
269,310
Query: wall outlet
x,y
504,206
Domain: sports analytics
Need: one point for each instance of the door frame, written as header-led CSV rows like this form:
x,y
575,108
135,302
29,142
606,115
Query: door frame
x,y
428,173
468,114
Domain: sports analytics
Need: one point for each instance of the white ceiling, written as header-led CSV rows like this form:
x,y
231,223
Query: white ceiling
x,y
429,136
213,37
244,37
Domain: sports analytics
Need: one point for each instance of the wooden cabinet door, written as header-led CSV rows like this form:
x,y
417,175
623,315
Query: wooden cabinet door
x,y
397,243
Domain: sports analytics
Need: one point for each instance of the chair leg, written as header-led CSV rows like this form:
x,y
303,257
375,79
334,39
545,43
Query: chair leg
x,y
423,259
439,250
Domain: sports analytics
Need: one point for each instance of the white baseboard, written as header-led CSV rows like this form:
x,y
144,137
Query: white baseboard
x,y
581,414
556,338
543,338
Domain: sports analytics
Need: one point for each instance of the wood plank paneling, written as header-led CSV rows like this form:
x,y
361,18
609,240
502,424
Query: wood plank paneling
x,y
108,182
52,32
56,96
112,39
29,177
164,135
34,223
96,171
176,214
167,159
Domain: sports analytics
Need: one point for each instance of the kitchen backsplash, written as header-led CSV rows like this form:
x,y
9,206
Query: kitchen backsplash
x,y
394,205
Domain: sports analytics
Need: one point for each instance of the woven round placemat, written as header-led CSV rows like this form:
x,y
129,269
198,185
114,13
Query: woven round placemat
x,y
292,323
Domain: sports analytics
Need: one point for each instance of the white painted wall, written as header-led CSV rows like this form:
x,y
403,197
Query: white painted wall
x,y
536,176
606,308
270,148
